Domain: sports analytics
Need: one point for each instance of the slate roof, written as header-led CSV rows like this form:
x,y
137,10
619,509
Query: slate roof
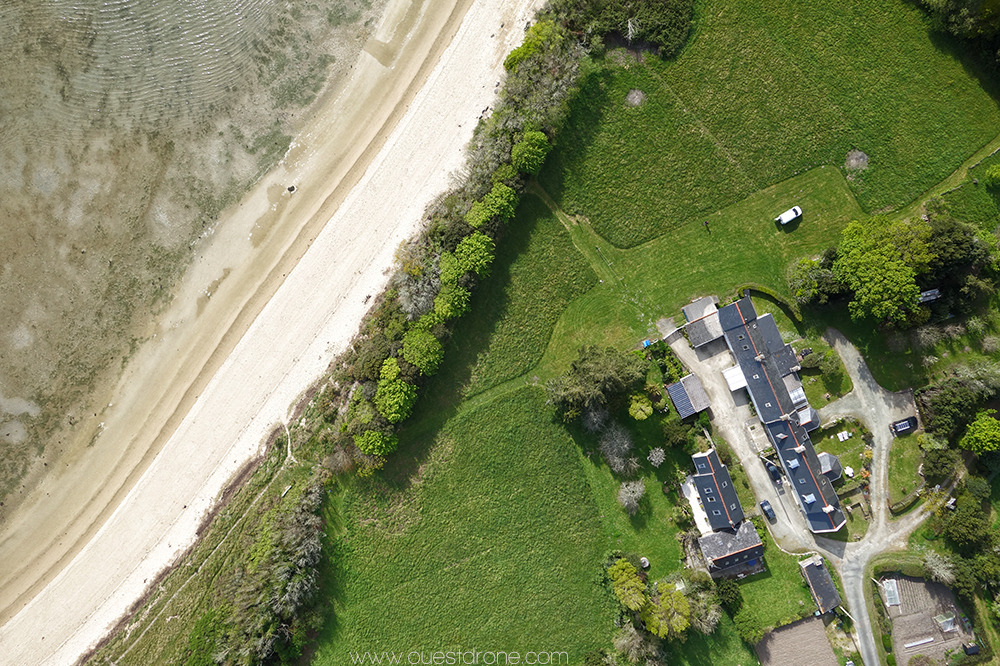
x,y
715,488
821,585
812,488
768,365
830,466
762,355
688,396
718,545
703,321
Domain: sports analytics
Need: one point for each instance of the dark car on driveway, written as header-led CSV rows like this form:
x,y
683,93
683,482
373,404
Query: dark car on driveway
x,y
765,506
773,471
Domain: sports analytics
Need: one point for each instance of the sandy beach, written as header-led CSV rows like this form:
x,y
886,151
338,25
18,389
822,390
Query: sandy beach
x,y
271,299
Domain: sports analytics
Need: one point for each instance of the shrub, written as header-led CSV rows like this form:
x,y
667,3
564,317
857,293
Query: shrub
x,y
375,443
451,302
543,35
394,397
887,642
529,153
748,625
475,253
630,495
991,179
423,350
640,407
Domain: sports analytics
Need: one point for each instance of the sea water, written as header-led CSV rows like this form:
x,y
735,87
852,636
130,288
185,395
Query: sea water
x,y
126,126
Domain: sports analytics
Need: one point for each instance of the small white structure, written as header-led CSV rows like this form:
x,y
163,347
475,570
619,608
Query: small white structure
x,y
789,215
734,378
891,589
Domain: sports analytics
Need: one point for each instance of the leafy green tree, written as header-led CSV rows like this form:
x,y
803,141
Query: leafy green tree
x,y
475,253
969,19
451,302
668,615
968,526
544,35
376,443
729,595
983,434
529,153
499,203
595,379
814,280
628,587
394,397
879,260
451,268
423,350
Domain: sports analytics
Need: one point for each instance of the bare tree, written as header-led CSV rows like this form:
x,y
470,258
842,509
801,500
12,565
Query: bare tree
x,y
633,645
616,444
656,457
594,419
939,567
630,494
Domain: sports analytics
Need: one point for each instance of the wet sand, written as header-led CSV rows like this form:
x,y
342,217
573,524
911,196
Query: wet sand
x,y
269,301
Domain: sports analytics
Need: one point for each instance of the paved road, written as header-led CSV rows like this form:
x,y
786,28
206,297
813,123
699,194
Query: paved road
x,y
867,402
877,409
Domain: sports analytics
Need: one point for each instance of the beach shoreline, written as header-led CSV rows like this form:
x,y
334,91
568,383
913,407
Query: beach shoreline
x,y
242,340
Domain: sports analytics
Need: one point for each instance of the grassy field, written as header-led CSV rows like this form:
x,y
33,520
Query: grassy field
x,y
491,538
764,91
780,594
538,273
904,461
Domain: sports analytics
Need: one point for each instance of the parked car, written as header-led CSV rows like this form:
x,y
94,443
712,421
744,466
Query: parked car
x,y
772,469
789,215
905,426
765,506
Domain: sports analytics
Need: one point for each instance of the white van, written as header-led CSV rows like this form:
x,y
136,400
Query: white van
x,y
789,215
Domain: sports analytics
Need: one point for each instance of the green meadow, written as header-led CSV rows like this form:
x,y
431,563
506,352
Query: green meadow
x,y
490,525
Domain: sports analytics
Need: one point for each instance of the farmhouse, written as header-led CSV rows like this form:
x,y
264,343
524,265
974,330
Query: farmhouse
x,y
731,545
824,592
732,553
768,370
715,488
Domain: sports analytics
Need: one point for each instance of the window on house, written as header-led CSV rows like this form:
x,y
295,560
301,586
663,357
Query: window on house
x,y
745,347
716,513
732,507
710,498
725,484
802,481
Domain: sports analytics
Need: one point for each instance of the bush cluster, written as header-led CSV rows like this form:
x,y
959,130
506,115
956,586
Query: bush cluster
x,y
402,340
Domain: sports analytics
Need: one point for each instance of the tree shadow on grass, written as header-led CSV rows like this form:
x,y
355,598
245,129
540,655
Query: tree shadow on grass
x,y
444,393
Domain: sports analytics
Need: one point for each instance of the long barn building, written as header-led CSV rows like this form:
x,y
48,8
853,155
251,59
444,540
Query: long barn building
x,y
769,371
